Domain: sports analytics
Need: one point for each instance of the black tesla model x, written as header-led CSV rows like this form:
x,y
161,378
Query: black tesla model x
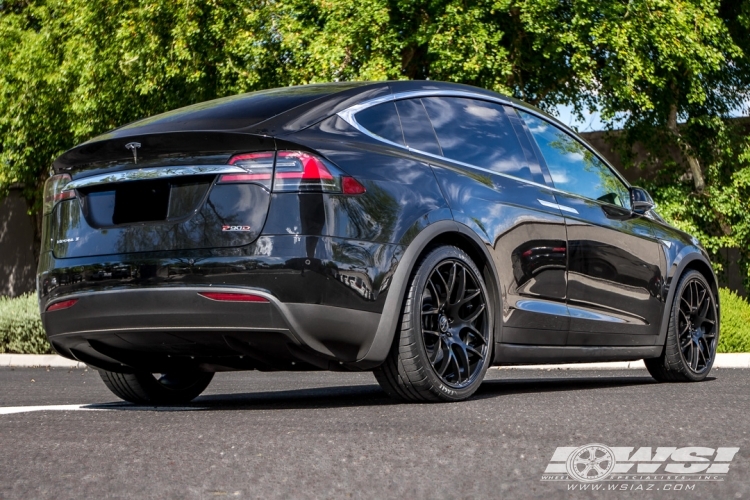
x,y
421,230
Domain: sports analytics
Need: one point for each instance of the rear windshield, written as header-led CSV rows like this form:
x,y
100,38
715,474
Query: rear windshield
x,y
230,113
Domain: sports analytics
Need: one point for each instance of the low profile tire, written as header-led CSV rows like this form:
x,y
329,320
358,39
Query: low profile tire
x,y
692,336
157,389
442,348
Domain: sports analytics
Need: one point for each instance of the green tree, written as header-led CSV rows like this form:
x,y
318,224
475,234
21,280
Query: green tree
x,y
670,71
654,64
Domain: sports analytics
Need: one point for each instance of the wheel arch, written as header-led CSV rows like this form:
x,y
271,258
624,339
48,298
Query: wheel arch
x,y
694,261
445,232
705,269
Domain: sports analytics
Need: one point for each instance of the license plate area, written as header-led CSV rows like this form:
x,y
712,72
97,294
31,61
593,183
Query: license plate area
x,y
147,201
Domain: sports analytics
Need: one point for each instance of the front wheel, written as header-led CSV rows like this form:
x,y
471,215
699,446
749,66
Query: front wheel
x,y
157,388
692,336
442,348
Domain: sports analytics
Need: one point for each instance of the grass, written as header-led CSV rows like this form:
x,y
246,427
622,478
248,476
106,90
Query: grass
x,y
21,328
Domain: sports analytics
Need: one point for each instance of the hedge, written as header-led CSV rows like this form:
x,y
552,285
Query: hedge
x,y
21,328
735,322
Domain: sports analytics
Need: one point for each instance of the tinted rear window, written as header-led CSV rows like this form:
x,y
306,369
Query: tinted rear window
x,y
382,120
418,132
229,113
479,133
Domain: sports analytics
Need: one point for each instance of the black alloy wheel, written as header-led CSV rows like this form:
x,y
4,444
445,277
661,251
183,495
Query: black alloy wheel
x,y
693,333
697,326
454,323
157,388
444,345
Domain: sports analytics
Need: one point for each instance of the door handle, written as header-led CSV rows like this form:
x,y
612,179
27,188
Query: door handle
x,y
557,206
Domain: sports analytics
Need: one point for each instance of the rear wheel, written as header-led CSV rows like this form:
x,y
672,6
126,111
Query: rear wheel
x,y
692,336
442,348
157,388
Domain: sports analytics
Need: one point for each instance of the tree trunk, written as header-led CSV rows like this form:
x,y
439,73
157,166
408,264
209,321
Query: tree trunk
x,y
695,166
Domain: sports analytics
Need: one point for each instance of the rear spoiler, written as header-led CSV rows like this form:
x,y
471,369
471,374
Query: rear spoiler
x,y
170,149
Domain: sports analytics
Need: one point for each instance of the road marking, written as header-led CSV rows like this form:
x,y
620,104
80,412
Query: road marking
x,y
8,410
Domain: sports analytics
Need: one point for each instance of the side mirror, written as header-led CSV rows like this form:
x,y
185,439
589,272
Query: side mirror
x,y
640,201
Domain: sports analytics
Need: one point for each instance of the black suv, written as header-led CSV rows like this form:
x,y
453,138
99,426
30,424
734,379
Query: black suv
x,y
421,230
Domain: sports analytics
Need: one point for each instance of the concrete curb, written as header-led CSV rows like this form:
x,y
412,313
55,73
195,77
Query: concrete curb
x,y
723,360
614,365
37,361
740,360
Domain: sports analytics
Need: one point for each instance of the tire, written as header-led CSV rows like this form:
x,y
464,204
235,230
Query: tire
x,y
145,388
693,333
439,352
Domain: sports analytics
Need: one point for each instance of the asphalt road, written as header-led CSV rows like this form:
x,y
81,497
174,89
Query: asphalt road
x,y
332,435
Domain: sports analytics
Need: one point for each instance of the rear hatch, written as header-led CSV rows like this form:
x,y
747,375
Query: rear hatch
x,y
196,177
199,197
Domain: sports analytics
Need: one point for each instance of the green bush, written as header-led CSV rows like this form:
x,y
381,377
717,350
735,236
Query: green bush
x,y
735,322
21,328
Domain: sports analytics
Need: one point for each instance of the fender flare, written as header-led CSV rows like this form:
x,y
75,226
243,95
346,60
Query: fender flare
x,y
383,339
693,255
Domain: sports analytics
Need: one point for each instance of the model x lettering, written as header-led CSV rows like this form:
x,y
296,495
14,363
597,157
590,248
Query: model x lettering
x,y
421,230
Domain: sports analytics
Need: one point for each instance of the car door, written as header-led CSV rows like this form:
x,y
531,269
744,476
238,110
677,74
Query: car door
x,y
613,256
494,184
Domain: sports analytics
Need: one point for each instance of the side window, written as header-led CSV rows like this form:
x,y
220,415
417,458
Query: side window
x,y
382,120
525,139
418,132
479,133
573,167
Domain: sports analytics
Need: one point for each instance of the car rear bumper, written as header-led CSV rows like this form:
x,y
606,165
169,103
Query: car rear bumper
x,y
175,327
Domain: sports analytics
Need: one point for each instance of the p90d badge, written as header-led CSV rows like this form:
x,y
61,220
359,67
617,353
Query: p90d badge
x,y
242,229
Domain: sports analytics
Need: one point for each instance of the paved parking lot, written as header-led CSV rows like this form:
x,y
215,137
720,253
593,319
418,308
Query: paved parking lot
x,y
333,435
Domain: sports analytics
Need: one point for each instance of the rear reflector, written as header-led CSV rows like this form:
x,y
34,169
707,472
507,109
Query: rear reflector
x,y
62,305
350,185
233,297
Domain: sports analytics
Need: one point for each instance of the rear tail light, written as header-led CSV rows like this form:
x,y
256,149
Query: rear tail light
x,y
295,171
54,191
233,297
259,167
298,171
64,304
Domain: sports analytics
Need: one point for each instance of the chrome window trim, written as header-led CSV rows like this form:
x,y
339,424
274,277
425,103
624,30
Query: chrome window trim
x,y
348,115
142,174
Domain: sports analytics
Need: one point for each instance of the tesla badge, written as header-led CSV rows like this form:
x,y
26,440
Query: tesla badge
x,y
133,146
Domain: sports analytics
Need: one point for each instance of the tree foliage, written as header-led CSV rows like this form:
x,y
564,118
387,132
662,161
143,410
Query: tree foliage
x,y
669,72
